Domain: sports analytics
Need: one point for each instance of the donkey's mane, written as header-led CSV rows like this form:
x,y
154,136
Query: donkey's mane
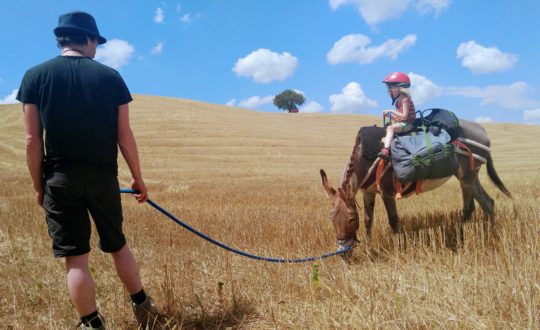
x,y
368,139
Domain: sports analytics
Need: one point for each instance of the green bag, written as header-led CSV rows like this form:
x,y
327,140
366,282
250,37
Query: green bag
x,y
423,155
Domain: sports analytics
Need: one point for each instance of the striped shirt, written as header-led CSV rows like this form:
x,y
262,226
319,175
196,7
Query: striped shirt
x,y
401,101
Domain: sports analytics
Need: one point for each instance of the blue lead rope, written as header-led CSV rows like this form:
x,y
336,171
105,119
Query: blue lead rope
x,y
228,248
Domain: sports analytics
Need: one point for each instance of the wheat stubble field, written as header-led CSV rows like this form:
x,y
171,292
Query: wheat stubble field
x,y
251,180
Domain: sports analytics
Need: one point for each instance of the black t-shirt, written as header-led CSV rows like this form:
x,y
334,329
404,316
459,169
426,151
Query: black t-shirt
x,y
78,101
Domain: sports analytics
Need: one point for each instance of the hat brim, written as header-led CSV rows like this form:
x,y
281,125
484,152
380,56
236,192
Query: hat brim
x,y
66,29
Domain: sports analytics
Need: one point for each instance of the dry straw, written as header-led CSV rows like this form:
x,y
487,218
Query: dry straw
x,y
252,180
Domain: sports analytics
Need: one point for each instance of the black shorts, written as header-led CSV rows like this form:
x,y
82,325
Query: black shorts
x,y
70,195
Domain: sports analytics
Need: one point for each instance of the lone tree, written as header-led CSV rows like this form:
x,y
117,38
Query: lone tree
x,y
289,100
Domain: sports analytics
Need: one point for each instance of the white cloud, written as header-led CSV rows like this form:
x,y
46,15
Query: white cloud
x,y
351,100
513,96
157,49
532,116
265,66
115,53
159,15
188,18
312,107
484,120
438,6
11,98
254,102
335,4
374,12
480,59
355,48
423,89
231,103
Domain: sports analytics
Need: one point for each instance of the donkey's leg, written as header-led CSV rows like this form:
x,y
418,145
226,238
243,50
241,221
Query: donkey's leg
x,y
485,201
466,178
468,199
391,210
369,205
393,219
487,204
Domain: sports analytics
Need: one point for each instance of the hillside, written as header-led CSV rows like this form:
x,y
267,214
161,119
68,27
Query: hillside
x,y
251,180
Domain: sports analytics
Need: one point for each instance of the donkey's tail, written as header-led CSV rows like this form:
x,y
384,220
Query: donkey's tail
x,y
495,178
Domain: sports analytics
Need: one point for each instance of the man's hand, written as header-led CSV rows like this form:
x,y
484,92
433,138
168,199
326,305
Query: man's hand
x,y
128,147
140,187
386,113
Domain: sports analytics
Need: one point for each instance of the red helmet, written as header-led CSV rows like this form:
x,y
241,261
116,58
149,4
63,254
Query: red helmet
x,y
398,79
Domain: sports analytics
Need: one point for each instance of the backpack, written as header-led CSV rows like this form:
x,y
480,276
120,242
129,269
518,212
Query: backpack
x,y
423,155
436,119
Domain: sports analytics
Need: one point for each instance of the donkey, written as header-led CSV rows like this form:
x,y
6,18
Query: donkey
x,y
358,175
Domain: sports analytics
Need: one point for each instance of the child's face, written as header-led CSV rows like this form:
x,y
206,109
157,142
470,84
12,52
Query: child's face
x,y
393,91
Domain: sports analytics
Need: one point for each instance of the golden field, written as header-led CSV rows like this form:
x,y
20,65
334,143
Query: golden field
x,y
251,180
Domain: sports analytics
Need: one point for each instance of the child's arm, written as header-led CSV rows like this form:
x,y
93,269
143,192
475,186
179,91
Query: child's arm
x,y
405,114
397,115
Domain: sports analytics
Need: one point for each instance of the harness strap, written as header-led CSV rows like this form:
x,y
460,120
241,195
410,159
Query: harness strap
x,y
379,174
429,144
462,145
399,188
418,189
368,175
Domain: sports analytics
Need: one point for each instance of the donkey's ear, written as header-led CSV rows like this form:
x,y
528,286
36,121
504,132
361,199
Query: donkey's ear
x,y
329,190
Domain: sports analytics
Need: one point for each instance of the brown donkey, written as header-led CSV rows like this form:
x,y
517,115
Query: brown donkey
x,y
360,175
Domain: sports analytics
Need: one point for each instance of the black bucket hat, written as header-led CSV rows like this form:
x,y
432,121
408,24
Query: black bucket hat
x,y
78,22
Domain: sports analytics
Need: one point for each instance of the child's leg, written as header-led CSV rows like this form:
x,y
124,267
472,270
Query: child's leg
x,y
390,130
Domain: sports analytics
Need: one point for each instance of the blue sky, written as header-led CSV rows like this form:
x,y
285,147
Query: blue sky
x,y
477,58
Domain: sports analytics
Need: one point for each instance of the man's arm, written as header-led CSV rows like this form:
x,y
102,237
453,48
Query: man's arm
x,y
128,147
34,147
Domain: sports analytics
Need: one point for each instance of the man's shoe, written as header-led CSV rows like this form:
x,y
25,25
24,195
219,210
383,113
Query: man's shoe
x,y
88,326
147,315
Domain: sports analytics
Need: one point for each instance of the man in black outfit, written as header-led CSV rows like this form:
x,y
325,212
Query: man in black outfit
x,y
82,107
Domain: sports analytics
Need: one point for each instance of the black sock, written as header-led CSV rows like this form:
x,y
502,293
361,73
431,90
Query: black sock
x,y
92,319
139,297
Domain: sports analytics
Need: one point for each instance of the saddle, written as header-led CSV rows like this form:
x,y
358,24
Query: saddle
x,y
422,159
371,139
426,151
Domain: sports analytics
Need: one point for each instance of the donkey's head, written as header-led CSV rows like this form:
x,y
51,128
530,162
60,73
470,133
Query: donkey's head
x,y
343,214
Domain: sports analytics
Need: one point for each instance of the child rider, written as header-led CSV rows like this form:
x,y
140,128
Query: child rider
x,y
397,84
